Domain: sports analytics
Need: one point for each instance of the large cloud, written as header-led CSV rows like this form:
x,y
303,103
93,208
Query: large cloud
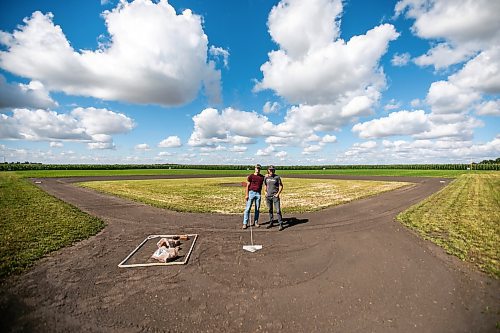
x,y
462,28
330,81
419,125
153,56
324,75
91,125
461,31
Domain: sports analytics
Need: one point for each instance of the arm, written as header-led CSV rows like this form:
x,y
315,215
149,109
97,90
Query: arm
x,y
280,188
246,190
265,186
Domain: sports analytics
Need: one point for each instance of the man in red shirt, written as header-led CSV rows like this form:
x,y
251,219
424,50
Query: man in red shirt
x,y
252,194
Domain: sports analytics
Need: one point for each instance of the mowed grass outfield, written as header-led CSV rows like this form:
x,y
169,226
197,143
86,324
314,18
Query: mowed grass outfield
x,y
227,195
33,223
464,219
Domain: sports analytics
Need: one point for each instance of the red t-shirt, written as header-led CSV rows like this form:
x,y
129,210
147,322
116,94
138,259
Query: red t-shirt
x,y
256,182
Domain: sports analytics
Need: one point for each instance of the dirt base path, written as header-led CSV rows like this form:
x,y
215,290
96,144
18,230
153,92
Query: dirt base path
x,y
350,268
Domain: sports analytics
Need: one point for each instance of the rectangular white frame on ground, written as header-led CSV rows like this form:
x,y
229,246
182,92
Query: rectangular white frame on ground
x,y
186,258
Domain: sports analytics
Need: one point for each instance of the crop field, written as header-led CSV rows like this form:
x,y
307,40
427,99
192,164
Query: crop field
x,y
464,219
226,194
234,172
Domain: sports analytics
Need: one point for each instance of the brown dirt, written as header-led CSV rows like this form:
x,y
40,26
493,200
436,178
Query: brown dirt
x,y
349,268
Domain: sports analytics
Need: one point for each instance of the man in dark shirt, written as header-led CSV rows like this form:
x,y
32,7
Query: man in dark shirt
x,y
274,186
252,194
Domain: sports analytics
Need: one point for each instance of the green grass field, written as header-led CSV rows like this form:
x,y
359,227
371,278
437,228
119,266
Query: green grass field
x,y
34,223
358,172
212,195
464,219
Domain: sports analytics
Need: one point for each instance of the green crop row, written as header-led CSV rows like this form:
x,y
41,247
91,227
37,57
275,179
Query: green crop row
x,y
39,166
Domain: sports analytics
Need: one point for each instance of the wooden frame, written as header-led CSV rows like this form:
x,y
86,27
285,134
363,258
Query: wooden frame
x,y
186,258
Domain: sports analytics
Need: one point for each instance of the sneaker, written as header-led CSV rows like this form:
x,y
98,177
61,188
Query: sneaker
x,y
270,225
244,226
281,227
257,224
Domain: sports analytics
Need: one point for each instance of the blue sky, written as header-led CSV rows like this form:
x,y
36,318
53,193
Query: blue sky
x,y
239,82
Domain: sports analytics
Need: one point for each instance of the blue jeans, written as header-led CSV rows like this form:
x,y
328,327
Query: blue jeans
x,y
276,202
252,196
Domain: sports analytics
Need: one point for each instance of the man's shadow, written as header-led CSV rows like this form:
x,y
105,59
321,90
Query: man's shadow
x,y
289,222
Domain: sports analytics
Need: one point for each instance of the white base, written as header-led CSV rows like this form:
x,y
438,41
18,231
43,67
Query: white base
x,y
252,248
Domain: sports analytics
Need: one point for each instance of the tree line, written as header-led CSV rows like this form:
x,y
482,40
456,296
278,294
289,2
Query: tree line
x,y
484,165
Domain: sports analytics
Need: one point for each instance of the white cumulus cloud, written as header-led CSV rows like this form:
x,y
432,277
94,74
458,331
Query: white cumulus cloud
x,y
98,121
329,139
228,126
329,81
268,151
489,108
326,74
462,28
91,125
482,73
311,149
32,95
419,125
446,97
397,123
153,56
170,142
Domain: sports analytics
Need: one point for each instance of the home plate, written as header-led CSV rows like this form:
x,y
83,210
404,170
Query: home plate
x,y
252,248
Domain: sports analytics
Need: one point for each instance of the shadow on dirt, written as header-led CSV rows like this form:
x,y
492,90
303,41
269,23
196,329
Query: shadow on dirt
x,y
288,222
12,310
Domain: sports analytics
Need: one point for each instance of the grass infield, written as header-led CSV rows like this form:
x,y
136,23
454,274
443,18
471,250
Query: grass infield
x,y
227,195
464,219
34,223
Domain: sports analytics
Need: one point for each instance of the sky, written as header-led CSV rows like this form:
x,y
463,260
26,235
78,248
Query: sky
x,y
291,82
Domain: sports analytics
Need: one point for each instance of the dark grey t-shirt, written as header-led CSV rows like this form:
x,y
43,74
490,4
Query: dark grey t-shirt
x,y
272,185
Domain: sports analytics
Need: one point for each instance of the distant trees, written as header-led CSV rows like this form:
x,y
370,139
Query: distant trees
x,y
497,161
484,165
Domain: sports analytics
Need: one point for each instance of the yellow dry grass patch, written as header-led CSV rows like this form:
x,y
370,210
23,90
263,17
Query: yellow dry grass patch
x,y
223,195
